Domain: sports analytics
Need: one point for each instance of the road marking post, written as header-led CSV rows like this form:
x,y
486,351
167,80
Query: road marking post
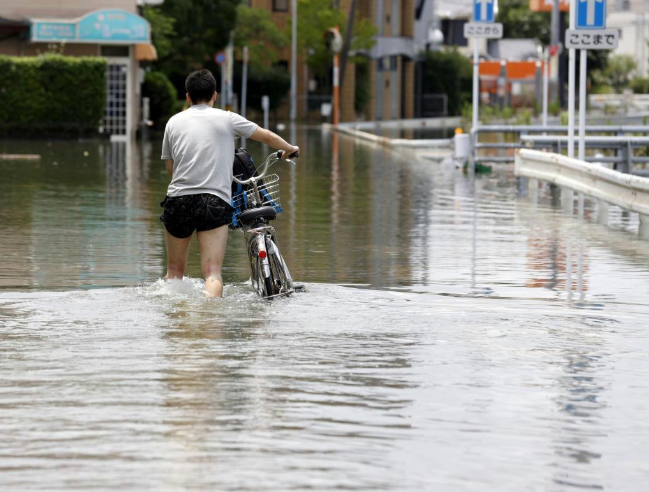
x,y
482,27
546,76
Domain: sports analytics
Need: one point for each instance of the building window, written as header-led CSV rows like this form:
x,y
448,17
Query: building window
x,y
280,5
112,50
453,30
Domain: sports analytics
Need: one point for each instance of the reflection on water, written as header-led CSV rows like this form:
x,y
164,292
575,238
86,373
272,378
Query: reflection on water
x,y
453,336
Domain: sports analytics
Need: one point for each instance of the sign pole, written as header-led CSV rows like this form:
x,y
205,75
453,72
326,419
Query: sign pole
x,y
571,86
223,96
583,60
476,85
336,102
546,76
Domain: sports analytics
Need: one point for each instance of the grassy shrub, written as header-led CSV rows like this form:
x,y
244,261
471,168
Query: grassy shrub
x,y
51,94
162,95
640,85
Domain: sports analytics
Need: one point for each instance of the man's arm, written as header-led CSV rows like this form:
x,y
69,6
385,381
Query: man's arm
x,y
273,140
170,166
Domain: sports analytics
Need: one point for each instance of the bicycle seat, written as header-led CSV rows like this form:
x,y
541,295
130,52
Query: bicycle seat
x,y
248,216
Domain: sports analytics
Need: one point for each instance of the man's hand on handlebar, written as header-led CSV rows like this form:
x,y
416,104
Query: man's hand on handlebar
x,y
293,154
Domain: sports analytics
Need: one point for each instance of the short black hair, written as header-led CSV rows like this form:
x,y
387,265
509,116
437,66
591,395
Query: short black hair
x,y
200,85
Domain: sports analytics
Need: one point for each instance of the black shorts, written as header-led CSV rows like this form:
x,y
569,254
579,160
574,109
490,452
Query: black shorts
x,y
188,213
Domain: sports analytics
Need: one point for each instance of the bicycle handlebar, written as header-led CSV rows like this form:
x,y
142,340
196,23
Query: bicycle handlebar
x,y
274,157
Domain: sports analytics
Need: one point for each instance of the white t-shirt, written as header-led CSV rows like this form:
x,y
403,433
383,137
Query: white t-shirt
x,y
200,141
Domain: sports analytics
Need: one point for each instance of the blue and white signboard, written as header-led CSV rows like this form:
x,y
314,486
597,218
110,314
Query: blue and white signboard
x,y
591,14
591,32
100,26
483,10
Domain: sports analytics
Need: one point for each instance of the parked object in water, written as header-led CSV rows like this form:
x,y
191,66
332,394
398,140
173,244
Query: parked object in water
x,y
256,204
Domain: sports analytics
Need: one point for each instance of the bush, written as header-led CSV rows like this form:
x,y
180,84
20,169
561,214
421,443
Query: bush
x,y
162,98
52,94
273,82
362,85
448,72
640,85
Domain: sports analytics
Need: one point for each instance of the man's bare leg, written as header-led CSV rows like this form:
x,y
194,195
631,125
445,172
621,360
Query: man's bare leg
x,y
212,245
177,253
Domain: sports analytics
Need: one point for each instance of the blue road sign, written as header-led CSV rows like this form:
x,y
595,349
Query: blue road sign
x,y
483,10
591,14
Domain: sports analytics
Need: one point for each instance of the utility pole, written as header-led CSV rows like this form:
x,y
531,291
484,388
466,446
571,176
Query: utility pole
x,y
293,61
555,41
348,40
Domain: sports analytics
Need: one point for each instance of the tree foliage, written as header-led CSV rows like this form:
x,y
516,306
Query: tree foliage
x,y
189,34
316,17
519,22
256,29
162,30
616,73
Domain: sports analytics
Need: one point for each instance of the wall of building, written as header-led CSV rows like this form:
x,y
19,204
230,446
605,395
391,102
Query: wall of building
x,y
634,35
20,9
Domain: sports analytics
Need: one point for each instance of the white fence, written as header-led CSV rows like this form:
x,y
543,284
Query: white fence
x,y
619,102
607,186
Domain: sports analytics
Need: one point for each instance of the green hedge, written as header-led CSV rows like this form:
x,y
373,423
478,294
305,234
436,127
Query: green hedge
x,y
448,72
162,96
51,94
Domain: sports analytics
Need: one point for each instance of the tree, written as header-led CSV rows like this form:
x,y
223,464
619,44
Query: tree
x,y
162,30
618,71
256,29
316,16
200,29
519,22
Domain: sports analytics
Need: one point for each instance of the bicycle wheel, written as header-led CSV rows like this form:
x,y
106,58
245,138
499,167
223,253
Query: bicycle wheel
x,y
282,281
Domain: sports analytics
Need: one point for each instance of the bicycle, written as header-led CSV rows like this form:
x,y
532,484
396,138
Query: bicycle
x,y
254,208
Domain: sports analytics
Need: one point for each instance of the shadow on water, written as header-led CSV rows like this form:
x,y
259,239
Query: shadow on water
x,y
453,335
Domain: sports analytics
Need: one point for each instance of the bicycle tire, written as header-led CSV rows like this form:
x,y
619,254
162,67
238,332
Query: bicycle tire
x,y
281,278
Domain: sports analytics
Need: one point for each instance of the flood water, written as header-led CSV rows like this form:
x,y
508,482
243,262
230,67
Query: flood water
x,y
453,336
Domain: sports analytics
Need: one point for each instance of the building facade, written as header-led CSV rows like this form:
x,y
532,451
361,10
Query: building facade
x,y
107,28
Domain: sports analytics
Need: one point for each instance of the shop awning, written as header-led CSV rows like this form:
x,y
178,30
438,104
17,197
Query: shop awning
x,y
145,52
106,26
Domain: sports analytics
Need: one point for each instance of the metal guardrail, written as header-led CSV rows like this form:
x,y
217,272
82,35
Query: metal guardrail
x,y
624,154
608,186
623,146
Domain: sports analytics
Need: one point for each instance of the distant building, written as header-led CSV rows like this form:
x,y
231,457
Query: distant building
x,y
631,17
108,28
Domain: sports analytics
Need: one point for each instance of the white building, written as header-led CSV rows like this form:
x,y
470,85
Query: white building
x,y
631,17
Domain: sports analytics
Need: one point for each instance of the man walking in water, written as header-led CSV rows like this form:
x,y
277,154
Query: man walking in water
x,y
198,150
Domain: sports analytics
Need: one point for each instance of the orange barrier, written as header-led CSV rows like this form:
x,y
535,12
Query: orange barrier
x,y
519,70
522,70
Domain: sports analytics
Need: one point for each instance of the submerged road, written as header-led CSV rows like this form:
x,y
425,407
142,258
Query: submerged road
x,y
453,336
